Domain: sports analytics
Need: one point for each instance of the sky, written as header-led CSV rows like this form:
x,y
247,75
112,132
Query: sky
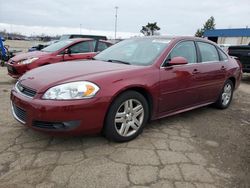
x,y
175,17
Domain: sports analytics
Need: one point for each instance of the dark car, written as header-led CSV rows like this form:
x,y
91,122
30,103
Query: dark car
x,y
242,52
72,36
41,46
128,84
65,50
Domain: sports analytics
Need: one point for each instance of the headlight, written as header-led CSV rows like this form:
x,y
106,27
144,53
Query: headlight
x,y
28,61
73,90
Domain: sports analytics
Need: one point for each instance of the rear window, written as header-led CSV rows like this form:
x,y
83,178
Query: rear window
x,y
208,52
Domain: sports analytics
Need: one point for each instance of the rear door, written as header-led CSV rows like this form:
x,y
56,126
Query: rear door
x,y
177,86
211,72
81,50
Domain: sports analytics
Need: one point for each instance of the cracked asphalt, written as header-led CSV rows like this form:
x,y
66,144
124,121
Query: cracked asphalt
x,y
203,148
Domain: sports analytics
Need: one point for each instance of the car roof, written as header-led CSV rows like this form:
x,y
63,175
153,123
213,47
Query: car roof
x,y
85,36
164,37
178,38
84,39
172,37
79,39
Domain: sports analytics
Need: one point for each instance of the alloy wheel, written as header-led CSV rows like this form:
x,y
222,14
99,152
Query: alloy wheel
x,y
129,117
226,95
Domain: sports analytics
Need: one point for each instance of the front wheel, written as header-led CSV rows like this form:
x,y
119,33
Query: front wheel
x,y
226,95
126,117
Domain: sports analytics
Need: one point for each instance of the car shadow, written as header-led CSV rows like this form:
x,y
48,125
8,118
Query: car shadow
x,y
180,118
61,143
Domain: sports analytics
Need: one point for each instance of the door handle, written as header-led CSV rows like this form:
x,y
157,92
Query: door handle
x,y
195,71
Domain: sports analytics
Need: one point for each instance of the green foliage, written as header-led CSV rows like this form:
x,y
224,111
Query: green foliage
x,y
199,33
145,31
150,29
209,25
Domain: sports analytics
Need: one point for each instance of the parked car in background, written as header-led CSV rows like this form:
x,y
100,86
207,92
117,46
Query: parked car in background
x,y
66,37
131,82
242,52
65,50
41,46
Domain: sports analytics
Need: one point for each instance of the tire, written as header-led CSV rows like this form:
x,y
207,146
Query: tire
x,y
124,123
226,95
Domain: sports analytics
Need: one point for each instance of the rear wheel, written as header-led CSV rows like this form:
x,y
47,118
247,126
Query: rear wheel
x,y
226,95
126,117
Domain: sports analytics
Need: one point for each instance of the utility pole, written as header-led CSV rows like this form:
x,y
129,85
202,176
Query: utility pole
x,y
116,9
80,28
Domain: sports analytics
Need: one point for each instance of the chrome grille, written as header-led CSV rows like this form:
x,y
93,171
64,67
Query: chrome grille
x,y
25,90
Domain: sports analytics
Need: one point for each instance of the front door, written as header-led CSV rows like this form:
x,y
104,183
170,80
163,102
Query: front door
x,y
177,86
81,50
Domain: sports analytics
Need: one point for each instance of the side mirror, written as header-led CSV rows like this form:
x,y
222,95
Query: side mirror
x,y
178,61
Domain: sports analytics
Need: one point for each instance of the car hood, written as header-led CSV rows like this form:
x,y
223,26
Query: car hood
x,y
42,78
28,55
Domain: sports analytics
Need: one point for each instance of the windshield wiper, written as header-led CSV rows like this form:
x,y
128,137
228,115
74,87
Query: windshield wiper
x,y
118,61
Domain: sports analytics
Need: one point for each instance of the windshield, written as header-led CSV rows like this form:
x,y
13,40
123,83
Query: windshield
x,y
56,46
138,51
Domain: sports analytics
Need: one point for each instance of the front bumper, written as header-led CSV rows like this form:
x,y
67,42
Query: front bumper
x,y
16,71
75,117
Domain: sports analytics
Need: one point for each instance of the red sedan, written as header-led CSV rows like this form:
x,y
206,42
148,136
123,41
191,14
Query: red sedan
x,y
64,50
128,84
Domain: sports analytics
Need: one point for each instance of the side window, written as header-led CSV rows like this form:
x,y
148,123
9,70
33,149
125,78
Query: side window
x,y
81,47
92,45
208,52
101,46
184,49
223,56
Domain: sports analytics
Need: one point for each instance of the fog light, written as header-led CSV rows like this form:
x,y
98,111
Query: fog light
x,y
66,125
56,125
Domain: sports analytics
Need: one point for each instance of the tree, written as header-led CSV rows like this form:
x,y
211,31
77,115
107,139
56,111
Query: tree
x,y
145,31
199,33
209,25
150,29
